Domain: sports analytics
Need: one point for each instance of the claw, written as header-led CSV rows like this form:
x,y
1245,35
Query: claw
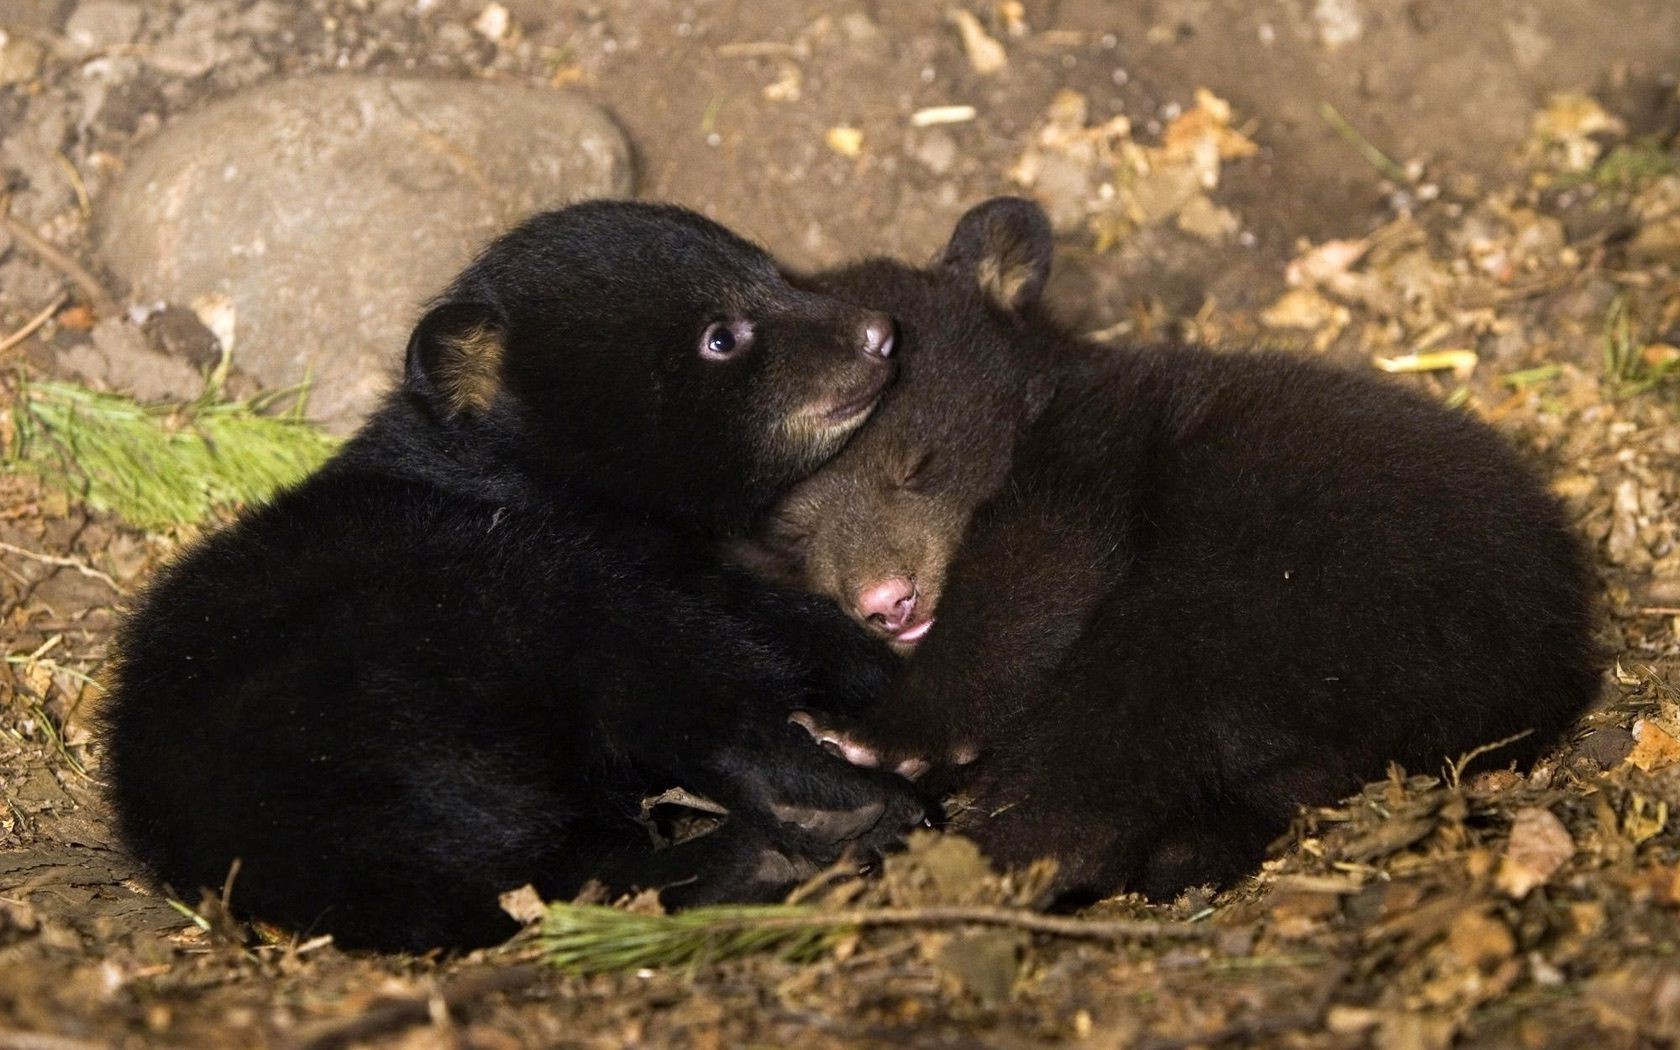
x,y
911,768
835,743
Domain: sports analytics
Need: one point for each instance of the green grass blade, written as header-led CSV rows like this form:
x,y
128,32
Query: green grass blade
x,y
160,466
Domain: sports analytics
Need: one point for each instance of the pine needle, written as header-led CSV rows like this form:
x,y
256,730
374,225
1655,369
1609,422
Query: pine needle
x,y
160,466
593,938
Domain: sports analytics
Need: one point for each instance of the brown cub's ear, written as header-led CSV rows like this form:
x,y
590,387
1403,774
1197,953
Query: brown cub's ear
x,y
764,559
1004,245
775,552
455,357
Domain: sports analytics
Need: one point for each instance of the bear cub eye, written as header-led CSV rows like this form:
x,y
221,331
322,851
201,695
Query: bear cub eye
x,y
725,339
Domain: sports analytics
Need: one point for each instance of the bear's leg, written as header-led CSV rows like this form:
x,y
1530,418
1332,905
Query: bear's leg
x,y
734,863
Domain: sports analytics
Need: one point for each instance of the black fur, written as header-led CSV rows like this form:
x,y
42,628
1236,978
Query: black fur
x,y
457,658
1207,588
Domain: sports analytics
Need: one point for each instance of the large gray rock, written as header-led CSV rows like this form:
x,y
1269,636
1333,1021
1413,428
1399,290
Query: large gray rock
x,y
325,211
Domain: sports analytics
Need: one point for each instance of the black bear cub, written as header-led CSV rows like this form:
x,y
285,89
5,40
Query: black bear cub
x,y
457,658
1158,598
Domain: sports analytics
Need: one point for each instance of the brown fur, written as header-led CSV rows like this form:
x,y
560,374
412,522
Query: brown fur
x,y
1193,590
469,368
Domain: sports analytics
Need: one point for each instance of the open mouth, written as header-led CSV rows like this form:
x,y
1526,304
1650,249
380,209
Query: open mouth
x,y
912,633
855,407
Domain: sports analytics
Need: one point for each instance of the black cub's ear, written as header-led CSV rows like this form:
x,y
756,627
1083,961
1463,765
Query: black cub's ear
x,y
455,356
1004,245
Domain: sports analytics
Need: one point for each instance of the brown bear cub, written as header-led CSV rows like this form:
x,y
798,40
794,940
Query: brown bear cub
x,y
1158,598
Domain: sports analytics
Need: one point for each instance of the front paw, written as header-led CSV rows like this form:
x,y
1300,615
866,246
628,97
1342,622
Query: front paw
x,y
812,804
827,829
911,755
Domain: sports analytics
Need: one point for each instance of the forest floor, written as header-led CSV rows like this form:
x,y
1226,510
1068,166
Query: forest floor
x,y
1484,199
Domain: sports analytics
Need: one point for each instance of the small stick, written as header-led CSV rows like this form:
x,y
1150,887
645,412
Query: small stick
x,y
1054,925
393,1016
64,563
12,1039
977,915
97,296
33,323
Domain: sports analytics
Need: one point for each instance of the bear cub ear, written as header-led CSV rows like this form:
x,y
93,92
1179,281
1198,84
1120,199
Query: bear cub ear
x,y
1005,246
455,357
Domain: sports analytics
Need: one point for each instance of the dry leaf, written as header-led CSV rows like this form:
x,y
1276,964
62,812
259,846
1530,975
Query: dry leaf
x,y
1653,747
1539,846
524,904
1480,941
1645,818
492,23
1563,130
76,318
218,313
985,55
1200,217
846,141
1325,262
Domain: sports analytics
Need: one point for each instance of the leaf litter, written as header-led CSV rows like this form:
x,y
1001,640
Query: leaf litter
x,y
1430,910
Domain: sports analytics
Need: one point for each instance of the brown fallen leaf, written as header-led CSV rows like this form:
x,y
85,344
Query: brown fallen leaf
x,y
985,54
1653,747
524,905
1480,941
1539,846
846,141
1661,883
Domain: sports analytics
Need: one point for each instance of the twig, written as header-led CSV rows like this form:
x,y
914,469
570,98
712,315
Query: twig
x,y
1373,156
759,49
11,1039
1457,768
64,563
1658,610
1055,925
395,1015
95,292
965,915
33,323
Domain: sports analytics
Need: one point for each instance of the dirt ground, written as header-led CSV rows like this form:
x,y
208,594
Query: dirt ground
x,y
1391,184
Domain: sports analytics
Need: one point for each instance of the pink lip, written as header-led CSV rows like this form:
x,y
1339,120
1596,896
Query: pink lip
x,y
914,633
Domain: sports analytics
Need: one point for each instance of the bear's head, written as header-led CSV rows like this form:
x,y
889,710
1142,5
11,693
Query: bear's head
x,y
647,355
877,527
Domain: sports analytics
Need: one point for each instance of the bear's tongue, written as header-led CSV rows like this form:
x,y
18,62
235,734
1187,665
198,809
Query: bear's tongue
x,y
914,633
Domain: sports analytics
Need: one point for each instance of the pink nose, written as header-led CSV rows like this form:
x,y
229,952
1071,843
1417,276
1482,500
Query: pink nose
x,y
888,604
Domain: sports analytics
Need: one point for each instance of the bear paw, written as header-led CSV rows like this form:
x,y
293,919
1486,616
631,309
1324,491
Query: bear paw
x,y
858,746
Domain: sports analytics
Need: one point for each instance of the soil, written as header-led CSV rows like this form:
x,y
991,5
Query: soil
x,y
1532,240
